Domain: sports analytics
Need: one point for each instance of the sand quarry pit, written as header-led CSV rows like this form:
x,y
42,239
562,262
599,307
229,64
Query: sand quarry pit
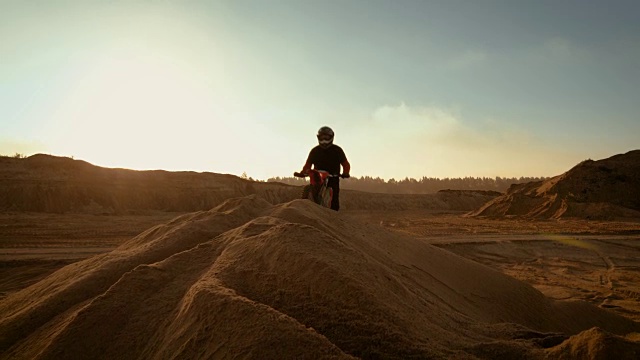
x,y
249,279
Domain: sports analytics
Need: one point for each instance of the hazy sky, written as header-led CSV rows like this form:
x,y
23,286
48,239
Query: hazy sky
x,y
412,88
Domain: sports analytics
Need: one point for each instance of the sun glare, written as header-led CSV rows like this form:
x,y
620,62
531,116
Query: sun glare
x,y
135,110
147,90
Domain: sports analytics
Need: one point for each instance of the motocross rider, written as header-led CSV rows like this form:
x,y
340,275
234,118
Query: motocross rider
x,y
328,156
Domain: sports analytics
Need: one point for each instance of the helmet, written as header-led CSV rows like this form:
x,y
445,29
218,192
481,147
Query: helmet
x,y
325,136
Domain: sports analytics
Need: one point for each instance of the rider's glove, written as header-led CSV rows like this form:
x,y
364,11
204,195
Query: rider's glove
x,y
346,176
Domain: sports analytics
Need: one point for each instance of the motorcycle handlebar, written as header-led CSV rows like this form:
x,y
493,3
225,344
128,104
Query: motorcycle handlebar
x,y
301,175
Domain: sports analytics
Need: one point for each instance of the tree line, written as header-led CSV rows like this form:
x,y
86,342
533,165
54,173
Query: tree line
x,y
425,185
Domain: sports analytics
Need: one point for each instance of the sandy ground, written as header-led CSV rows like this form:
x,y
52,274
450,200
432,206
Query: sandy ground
x,y
596,261
299,281
34,245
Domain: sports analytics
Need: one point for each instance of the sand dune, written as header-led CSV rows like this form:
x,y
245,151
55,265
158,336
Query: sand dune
x,y
252,280
596,344
44,183
51,184
604,189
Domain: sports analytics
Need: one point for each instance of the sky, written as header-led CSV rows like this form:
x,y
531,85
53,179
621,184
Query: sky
x,y
411,88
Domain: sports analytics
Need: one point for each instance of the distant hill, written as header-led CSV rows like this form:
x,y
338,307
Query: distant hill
x,y
45,183
603,189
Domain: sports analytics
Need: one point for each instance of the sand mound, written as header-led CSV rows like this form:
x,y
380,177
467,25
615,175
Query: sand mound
x,y
604,189
44,183
596,344
252,280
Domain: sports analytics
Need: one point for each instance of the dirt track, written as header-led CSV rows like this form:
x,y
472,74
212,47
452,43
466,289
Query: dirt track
x,y
34,245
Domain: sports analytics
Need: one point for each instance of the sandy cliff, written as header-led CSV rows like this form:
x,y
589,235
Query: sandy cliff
x,y
603,189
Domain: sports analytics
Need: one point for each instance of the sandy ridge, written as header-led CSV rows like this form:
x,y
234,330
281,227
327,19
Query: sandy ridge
x,y
50,184
603,189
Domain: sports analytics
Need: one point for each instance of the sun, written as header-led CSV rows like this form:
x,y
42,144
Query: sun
x,y
138,111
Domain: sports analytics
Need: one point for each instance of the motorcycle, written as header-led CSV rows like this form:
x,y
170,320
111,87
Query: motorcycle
x,y
318,190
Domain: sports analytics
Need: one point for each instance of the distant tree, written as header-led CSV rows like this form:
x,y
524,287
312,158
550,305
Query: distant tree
x,y
425,185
